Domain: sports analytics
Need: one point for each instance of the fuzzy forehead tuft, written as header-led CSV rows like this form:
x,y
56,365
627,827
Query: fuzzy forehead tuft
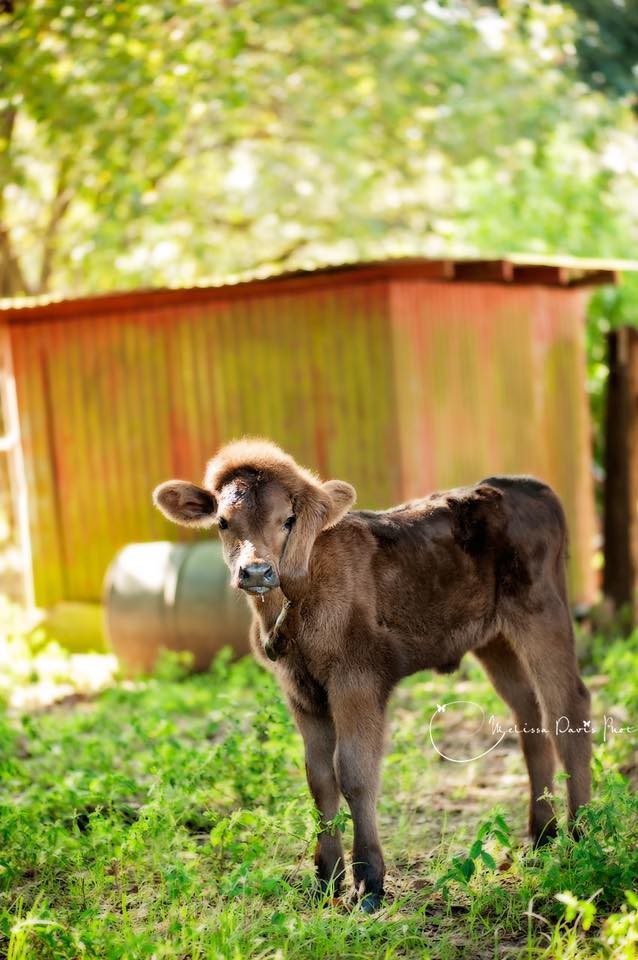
x,y
264,459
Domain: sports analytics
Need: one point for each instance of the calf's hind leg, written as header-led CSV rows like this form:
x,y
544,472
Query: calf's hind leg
x,y
551,661
514,684
319,741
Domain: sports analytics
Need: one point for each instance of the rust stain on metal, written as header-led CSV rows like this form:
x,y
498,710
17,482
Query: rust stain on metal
x,y
400,378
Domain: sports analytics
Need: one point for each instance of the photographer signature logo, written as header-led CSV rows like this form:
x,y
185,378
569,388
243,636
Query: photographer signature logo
x,y
493,728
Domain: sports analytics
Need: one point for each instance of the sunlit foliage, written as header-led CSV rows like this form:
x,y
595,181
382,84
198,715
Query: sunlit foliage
x,y
172,142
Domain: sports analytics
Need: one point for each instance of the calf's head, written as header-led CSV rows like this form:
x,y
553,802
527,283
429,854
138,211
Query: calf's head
x,y
268,510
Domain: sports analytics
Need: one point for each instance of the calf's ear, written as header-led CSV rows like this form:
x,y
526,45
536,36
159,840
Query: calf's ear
x,y
311,510
317,508
185,503
342,497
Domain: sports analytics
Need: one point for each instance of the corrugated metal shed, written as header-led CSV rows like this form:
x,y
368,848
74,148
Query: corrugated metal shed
x,y
400,377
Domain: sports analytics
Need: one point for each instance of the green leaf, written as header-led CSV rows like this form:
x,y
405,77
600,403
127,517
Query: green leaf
x,y
467,869
488,859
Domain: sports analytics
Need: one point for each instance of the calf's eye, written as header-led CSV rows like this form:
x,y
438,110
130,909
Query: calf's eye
x,y
290,522
223,524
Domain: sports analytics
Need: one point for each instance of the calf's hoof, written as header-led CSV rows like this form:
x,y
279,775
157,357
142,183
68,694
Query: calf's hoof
x,y
370,903
327,890
543,834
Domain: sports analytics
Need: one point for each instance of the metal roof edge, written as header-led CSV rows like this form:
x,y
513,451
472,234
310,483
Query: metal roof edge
x,y
515,268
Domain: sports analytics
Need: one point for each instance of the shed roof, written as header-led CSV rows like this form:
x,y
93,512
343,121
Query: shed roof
x,y
518,269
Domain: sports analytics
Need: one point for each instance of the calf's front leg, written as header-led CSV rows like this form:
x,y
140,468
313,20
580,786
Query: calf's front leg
x,y
358,712
319,738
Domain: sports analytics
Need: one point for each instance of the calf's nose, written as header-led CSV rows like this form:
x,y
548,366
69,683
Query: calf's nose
x,y
260,574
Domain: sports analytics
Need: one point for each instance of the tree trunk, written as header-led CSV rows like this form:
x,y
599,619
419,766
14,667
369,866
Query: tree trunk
x,y
12,280
59,206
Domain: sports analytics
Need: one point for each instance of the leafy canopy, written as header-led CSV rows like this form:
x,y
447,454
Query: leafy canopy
x,y
168,143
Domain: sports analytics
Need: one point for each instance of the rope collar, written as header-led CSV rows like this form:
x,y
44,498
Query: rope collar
x,y
275,643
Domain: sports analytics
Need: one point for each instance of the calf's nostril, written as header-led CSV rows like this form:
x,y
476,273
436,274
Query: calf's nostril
x,y
257,573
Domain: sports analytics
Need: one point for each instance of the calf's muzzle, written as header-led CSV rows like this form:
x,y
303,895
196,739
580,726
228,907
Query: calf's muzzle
x,y
258,577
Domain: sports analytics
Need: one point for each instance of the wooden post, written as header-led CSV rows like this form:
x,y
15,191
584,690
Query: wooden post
x,y
621,469
11,446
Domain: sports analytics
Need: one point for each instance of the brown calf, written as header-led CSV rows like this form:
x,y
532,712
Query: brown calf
x,y
346,603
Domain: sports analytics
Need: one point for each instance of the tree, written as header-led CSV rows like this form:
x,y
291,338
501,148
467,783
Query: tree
x,y
173,142
607,46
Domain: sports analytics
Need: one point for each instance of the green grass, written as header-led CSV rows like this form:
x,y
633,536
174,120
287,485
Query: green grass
x,y
170,818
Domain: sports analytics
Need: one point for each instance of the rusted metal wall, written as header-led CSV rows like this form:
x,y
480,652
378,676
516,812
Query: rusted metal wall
x,y
396,384
112,404
491,379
